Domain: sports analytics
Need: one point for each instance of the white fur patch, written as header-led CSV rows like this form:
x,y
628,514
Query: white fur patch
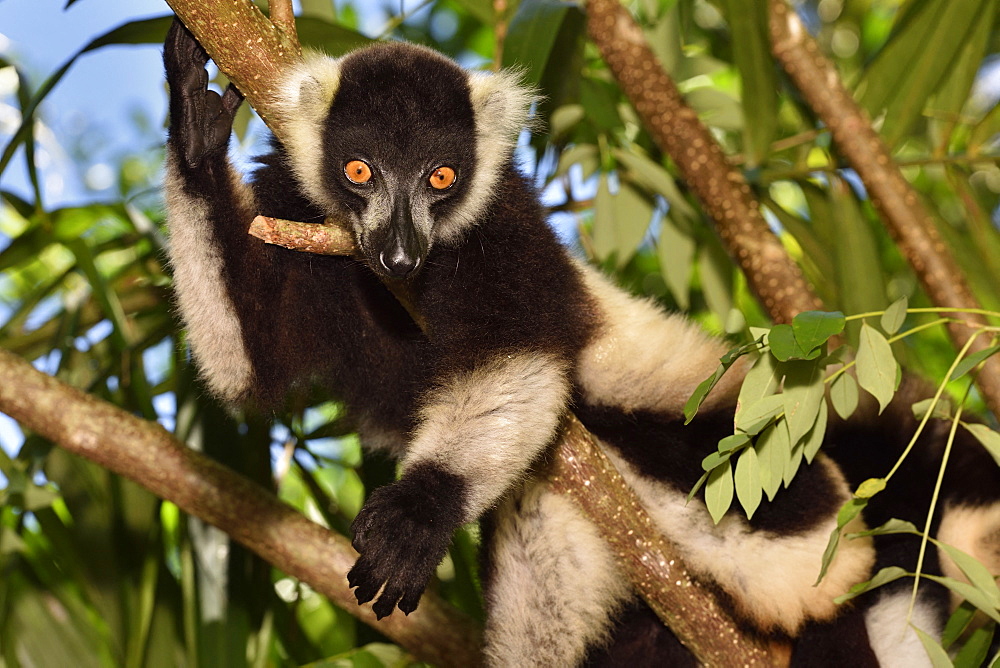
x,y
643,358
557,584
500,104
976,531
488,425
769,576
214,331
306,93
896,644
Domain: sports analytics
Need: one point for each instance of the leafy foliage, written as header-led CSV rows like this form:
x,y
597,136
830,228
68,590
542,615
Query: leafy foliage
x,y
96,571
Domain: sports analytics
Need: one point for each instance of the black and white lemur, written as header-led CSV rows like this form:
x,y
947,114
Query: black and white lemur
x,y
416,153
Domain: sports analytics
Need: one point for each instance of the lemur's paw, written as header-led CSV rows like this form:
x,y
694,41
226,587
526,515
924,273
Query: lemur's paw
x,y
200,119
402,533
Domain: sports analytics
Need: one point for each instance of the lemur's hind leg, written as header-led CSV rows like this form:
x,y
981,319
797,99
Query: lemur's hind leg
x,y
201,119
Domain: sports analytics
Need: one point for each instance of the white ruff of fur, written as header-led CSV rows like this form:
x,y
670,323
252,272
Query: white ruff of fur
x,y
214,331
769,576
643,358
894,642
560,585
489,424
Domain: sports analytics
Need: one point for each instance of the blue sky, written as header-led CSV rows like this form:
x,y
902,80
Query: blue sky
x,y
102,90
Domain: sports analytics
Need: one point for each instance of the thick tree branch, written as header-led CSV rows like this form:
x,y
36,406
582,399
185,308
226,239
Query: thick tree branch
x,y
897,203
773,276
583,472
147,454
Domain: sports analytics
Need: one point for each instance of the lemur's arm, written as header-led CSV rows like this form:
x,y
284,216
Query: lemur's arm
x,y
260,319
505,326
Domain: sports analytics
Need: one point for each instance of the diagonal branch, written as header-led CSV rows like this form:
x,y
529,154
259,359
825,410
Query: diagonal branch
x,y
147,454
897,203
724,193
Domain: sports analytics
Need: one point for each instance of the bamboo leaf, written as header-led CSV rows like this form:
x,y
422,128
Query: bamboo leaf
x,y
939,658
883,577
676,251
752,56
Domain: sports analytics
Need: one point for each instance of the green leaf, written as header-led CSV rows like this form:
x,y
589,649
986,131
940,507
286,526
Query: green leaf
x,y
532,34
970,593
620,221
719,491
957,624
844,395
786,347
761,381
330,37
814,439
942,408
733,442
657,179
972,361
700,392
792,465
987,437
752,56
870,488
803,395
939,657
773,453
973,569
845,515
748,482
894,316
890,527
976,648
876,366
588,156
814,328
676,251
715,460
883,577
753,418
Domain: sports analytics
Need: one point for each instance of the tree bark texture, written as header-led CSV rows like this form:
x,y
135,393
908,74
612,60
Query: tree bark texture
x,y
898,204
725,195
147,454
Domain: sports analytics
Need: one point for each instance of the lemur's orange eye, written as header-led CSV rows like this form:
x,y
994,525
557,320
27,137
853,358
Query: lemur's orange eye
x,y
442,178
358,172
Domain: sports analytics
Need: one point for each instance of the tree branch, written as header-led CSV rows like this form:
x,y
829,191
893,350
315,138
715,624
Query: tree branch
x,y
772,275
583,472
897,203
147,454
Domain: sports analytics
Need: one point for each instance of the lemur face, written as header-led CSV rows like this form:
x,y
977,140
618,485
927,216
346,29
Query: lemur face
x,y
403,142
399,145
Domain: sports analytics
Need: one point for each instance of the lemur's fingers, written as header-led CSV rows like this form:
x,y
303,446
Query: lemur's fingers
x,y
201,119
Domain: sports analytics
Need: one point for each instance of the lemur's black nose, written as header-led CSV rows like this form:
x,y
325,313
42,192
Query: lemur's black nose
x,y
398,262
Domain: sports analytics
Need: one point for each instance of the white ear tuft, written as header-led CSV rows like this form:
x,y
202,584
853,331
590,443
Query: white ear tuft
x,y
501,104
306,93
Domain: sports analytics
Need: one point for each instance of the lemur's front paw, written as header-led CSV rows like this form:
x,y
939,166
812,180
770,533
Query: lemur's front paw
x,y
200,119
402,534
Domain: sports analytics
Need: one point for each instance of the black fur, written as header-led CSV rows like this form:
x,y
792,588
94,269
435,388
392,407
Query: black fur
x,y
502,288
402,533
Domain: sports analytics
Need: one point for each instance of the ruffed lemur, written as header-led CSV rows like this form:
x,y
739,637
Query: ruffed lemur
x,y
417,154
